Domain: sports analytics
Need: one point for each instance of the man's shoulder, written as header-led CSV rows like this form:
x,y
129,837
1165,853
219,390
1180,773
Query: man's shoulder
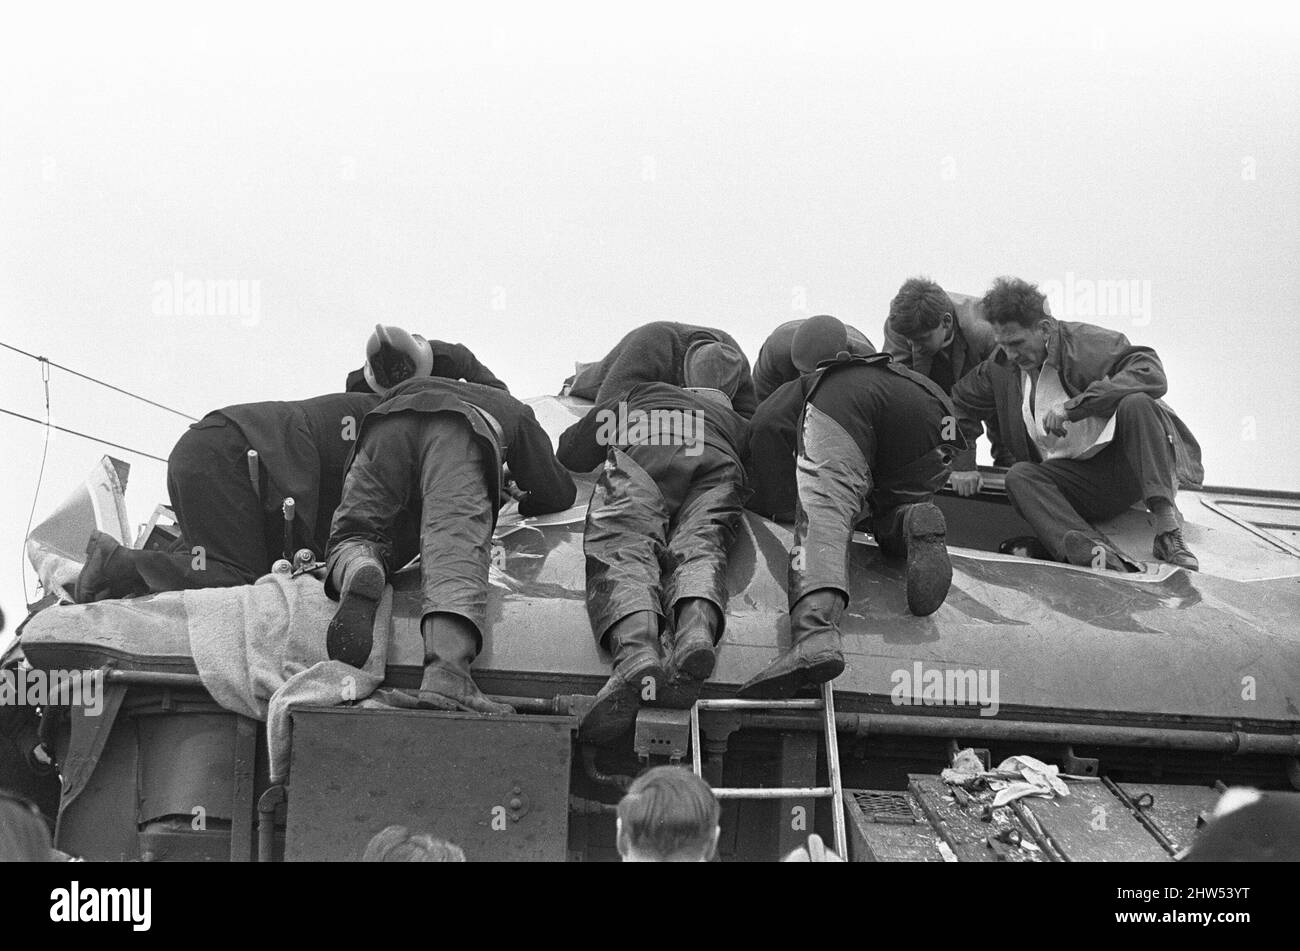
x,y
1080,333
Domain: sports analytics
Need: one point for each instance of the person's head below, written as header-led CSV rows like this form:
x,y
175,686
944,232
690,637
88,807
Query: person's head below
x,y
1248,825
923,314
668,815
1021,320
712,365
817,340
394,356
24,836
399,844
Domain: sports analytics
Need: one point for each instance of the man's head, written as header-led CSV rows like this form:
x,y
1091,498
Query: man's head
x,y
24,836
817,340
924,314
1021,321
668,815
394,356
399,844
712,365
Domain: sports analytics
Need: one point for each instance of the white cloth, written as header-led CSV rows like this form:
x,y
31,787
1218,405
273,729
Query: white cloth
x,y
260,650
1083,438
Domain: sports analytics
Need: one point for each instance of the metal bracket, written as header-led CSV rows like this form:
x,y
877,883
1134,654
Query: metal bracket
x,y
662,732
1079,765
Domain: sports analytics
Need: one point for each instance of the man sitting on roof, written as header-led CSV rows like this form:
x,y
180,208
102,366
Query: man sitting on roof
x,y
873,440
229,511
393,355
659,527
1079,408
943,336
784,356
656,353
438,445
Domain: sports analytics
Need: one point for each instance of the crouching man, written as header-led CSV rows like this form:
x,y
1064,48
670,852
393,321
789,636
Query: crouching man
x,y
874,440
439,445
662,518
1079,408
229,512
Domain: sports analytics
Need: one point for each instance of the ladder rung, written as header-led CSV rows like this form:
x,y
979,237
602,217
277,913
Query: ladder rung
x,y
760,704
807,792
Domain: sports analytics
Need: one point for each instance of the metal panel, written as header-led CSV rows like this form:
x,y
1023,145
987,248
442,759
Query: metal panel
x,y
1091,825
496,786
888,826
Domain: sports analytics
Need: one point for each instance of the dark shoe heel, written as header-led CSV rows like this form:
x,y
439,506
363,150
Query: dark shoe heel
x,y
350,637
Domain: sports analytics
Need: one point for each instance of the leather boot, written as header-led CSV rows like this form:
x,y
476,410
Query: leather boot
x,y
109,571
638,675
451,643
357,574
816,653
929,572
694,655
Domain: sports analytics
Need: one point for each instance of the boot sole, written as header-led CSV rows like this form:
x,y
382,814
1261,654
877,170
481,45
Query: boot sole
x,y
613,715
698,663
350,637
784,686
929,571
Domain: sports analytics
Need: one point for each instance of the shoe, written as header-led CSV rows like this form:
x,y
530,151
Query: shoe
x,y
1084,551
638,676
108,571
359,576
694,654
929,572
816,655
1170,547
451,643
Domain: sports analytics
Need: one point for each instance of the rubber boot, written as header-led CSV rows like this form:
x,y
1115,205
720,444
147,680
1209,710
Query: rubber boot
x,y
109,571
638,675
451,642
357,574
929,572
816,654
694,653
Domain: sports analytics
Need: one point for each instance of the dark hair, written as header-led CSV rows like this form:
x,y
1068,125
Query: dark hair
x,y
1013,301
918,307
24,837
398,844
669,811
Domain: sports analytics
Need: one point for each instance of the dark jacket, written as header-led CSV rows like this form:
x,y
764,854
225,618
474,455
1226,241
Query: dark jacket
x,y
1097,367
303,448
972,343
583,445
774,368
898,418
653,353
521,443
451,361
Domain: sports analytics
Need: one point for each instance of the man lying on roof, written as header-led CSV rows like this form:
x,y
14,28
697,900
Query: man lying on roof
x,y
393,355
1080,410
439,445
662,518
873,441
656,353
943,336
784,354
229,513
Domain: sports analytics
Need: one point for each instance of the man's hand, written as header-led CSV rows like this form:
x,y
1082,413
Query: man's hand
x,y
1054,421
966,484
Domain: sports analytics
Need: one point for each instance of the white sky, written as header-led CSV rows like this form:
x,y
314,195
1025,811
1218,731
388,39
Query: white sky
x,y
536,182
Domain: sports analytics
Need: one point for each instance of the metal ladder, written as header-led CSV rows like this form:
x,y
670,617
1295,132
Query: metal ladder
x,y
835,791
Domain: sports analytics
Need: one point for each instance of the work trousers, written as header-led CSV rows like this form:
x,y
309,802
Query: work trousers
x,y
1064,495
659,528
433,463
837,490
